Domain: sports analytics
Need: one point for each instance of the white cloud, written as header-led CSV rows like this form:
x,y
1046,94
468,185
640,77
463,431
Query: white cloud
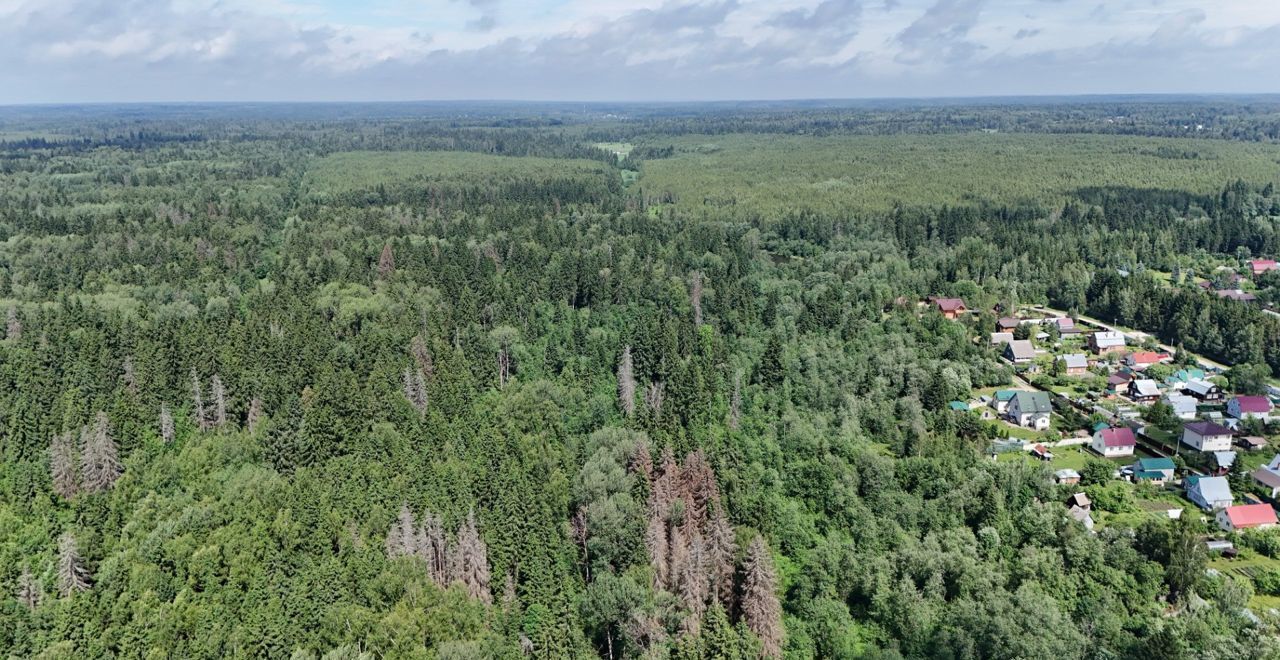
x,y
70,50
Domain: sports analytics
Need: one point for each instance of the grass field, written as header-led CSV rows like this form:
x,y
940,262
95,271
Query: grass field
x,y
777,173
359,170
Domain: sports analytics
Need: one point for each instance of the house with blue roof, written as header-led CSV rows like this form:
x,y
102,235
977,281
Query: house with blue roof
x,y
1210,493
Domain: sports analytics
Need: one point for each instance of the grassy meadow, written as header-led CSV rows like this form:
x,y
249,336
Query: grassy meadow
x,y
769,174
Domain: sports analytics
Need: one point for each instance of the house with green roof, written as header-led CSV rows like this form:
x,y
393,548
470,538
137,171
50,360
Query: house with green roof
x,y
1000,400
1030,409
1154,470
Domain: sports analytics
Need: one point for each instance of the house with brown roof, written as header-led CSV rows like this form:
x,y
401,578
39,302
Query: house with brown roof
x,y
1007,324
951,308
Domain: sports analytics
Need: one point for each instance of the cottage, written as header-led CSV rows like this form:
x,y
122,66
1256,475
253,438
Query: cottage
x,y
1140,360
1076,364
1041,452
1103,343
1250,407
1206,436
1083,516
1030,409
1144,391
1269,478
1252,442
1260,266
1237,295
1020,351
1246,516
1222,461
958,406
998,338
1066,477
1000,401
1203,390
1184,407
1114,442
1066,325
951,308
1210,493
1007,324
1154,470
1119,381
1079,500
1178,380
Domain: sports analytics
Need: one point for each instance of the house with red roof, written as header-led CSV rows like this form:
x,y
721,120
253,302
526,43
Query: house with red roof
x,y
1260,266
1140,360
1250,407
1112,442
1246,516
951,308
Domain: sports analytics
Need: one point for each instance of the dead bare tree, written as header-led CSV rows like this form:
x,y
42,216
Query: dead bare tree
x,y
760,607
63,465
30,591
386,262
695,296
100,461
735,403
166,424
73,577
626,383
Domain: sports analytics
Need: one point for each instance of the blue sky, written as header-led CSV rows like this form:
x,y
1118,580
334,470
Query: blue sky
x,y
317,50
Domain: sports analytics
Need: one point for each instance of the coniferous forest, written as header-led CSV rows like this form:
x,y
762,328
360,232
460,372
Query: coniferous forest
x,y
546,381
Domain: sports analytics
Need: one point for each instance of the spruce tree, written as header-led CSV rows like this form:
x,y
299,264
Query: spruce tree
x,y
73,577
760,607
63,465
100,463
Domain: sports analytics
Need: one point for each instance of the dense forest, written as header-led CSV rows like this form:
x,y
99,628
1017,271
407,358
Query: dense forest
x,y
334,382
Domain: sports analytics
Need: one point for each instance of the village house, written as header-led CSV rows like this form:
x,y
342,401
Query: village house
x,y
1178,380
1260,266
1268,476
1075,364
1020,351
1114,442
1250,407
1066,325
1184,407
1210,493
951,308
1237,295
1246,516
1206,436
1030,409
1140,360
1104,343
1222,462
1144,390
1252,442
998,338
1000,400
1203,390
1007,324
1066,477
1118,382
1158,471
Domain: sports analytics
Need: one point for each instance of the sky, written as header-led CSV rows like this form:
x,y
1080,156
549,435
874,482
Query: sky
x,y
64,51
